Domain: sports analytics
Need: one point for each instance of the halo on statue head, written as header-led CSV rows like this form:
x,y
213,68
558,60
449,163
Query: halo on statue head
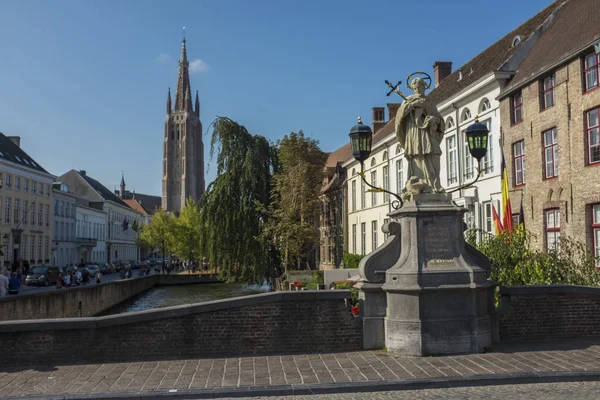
x,y
424,76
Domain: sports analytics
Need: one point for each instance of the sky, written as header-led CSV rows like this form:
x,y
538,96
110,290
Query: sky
x,y
84,83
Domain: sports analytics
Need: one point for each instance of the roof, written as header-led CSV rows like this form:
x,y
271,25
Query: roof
x,y
9,151
568,31
102,190
494,58
134,204
149,202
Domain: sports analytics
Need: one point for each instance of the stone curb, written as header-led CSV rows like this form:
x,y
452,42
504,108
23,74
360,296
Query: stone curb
x,y
335,388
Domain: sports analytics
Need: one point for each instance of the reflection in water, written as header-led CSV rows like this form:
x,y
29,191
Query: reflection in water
x,y
165,296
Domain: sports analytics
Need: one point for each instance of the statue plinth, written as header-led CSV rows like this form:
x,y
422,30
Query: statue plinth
x,y
439,300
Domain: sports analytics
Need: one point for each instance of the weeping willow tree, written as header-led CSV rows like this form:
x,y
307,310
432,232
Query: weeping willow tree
x,y
233,209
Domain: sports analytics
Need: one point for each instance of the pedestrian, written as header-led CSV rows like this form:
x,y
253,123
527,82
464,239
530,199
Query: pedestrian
x,y
67,279
59,281
78,277
99,277
14,284
3,284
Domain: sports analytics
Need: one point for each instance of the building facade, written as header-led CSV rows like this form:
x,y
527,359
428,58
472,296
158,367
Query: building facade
x,y
550,112
25,202
64,239
183,149
91,233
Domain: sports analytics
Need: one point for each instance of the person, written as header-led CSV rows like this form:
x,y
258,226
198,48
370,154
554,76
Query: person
x,y
3,284
59,280
14,284
85,276
77,277
419,130
67,279
99,277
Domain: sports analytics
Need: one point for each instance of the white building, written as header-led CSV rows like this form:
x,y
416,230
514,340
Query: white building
x,y
120,237
91,233
64,241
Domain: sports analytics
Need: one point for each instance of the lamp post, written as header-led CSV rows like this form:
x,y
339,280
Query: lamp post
x,y
477,140
361,140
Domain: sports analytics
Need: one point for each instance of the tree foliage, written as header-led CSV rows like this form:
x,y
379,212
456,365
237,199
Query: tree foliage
x,y
515,263
160,234
187,231
233,209
294,207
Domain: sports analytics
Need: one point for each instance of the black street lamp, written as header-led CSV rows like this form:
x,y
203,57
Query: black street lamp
x,y
361,140
477,140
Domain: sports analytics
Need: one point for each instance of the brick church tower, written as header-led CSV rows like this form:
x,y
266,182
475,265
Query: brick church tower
x,y
183,150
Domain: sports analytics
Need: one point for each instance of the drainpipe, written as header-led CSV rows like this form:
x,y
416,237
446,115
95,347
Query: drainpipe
x,y
459,149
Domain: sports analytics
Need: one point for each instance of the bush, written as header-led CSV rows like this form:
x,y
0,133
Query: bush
x,y
515,263
353,291
352,260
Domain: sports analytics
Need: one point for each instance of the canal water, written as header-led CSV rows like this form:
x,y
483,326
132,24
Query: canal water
x,y
166,296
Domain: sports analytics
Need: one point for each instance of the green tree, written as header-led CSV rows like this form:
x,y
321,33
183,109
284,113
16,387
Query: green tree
x,y
187,231
232,213
294,210
159,234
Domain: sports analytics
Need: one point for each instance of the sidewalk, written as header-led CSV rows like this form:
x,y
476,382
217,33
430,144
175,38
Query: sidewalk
x,y
307,374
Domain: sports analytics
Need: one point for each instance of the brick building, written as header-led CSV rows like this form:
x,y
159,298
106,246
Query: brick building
x,y
550,112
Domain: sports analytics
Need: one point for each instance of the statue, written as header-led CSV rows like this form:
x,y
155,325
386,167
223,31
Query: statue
x,y
419,130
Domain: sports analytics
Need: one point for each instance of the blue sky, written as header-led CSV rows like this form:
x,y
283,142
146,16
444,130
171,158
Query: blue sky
x,y
84,83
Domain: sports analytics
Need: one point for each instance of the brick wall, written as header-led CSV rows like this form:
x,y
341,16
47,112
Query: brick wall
x,y
281,322
548,312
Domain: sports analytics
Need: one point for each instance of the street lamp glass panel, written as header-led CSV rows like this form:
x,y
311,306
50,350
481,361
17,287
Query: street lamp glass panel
x,y
361,138
477,140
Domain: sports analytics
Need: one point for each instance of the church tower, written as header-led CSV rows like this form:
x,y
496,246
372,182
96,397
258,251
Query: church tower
x,y
183,150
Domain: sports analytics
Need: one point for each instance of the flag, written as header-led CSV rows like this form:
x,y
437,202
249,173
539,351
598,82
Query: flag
x,y
135,226
506,208
522,216
125,224
497,223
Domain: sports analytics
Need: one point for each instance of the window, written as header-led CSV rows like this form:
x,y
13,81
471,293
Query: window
x,y
47,215
363,235
373,162
24,247
25,212
452,167
62,208
516,104
399,176
8,181
596,232
374,234
363,197
41,190
469,161
40,215
32,214
552,218
17,183
519,162
32,249
7,210
485,105
398,149
466,115
386,183
386,221
385,155
26,185
550,154
354,195
374,183
33,184
516,219
592,71
16,213
516,40
548,91
488,160
449,123
48,190
488,217
56,207
46,252
39,249
593,136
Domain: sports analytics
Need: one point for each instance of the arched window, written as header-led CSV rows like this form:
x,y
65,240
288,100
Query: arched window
x,y
466,115
398,149
373,162
485,105
353,171
450,123
516,40
385,156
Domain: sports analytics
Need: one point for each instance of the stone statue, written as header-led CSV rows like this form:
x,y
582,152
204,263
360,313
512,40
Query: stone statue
x,y
419,130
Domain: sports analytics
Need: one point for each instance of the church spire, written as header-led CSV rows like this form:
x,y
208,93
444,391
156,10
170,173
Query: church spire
x,y
122,184
188,100
169,108
183,79
197,104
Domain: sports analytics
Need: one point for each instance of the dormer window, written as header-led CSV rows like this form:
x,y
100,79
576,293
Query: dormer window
x,y
516,40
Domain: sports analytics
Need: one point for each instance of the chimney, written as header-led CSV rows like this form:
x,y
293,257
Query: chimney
x,y
441,69
82,172
16,140
378,118
392,110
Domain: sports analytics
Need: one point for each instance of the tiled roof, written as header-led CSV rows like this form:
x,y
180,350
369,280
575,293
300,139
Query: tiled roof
x,y
149,202
565,33
11,152
102,190
491,59
134,204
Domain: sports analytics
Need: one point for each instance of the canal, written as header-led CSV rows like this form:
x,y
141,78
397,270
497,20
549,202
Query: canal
x,y
166,296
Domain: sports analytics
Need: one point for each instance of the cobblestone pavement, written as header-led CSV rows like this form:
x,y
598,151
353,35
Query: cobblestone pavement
x,y
366,367
546,391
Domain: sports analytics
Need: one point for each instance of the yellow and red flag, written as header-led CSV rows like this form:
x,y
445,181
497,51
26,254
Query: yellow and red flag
x,y
497,223
506,208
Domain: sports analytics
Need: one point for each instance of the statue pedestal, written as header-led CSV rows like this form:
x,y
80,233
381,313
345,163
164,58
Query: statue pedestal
x,y
373,305
439,300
